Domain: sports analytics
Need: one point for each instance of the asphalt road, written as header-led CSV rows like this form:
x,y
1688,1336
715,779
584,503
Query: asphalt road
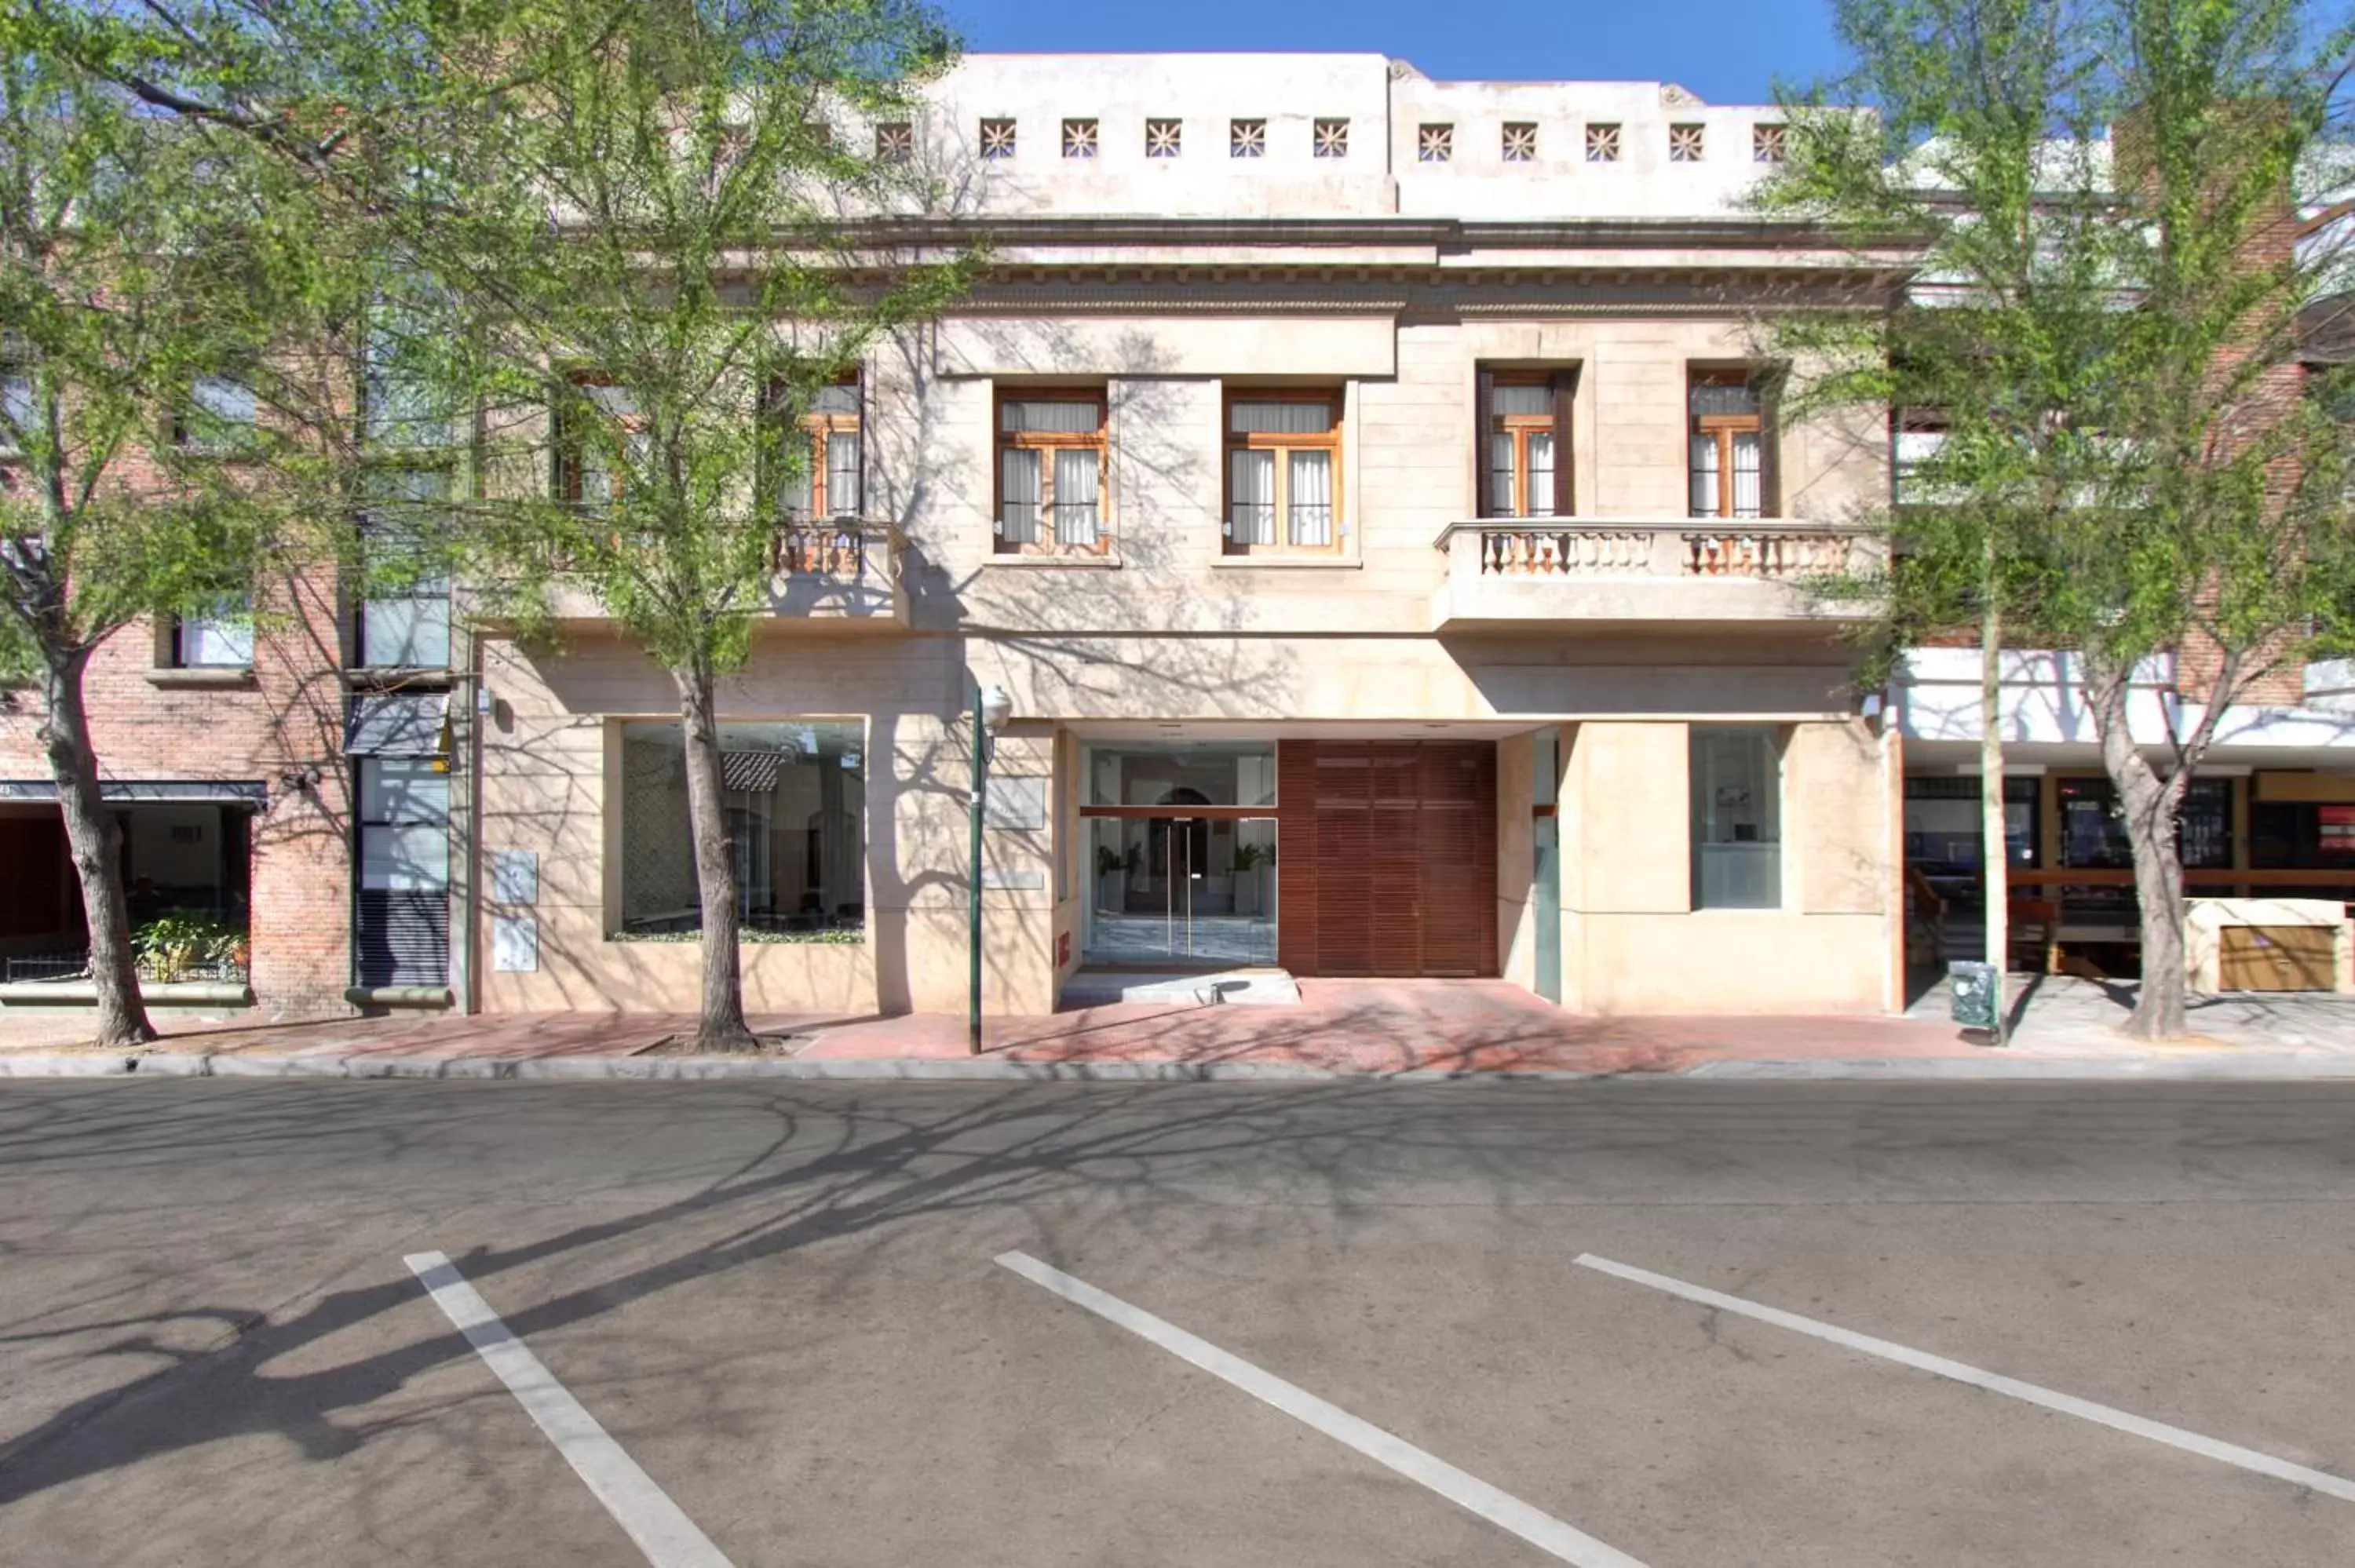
x,y
780,1300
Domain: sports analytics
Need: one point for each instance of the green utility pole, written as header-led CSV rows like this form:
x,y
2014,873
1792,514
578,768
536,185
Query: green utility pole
x,y
980,790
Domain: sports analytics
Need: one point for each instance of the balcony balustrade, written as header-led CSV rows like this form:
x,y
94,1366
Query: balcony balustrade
x,y
1524,570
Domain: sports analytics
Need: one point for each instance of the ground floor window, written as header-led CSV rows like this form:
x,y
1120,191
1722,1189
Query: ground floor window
x,y
1737,818
400,925
794,802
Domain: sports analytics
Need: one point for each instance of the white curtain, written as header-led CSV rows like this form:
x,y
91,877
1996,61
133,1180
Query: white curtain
x,y
842,473
1050,419
1076,494
1704,476
1017,520
798,496
225,637
1500,473
1540,474
1279,419
1746,482
1251,518
1310,483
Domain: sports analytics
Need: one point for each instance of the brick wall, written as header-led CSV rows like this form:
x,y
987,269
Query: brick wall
x,y
146,722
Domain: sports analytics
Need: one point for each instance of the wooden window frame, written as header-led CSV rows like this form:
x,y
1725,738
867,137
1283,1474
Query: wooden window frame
x,y
1723,428
1281,442
817,429
1561,381
567,444
1050,442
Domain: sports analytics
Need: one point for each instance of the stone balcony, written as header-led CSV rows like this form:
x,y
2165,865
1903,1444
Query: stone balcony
x,y
841,576
1516,572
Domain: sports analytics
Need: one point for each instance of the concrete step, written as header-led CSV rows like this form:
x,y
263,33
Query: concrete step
x,y
1255,987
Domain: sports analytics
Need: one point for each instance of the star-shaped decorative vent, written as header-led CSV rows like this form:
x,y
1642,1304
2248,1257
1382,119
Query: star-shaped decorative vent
x,y
1602,144
1520,141
1247,138
1332,138
1684,143
997,138
1079,138
1768,143
895,143
1164,138
1435,144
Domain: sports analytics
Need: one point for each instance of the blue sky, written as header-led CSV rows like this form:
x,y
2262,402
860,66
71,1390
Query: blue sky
x,y
1727,51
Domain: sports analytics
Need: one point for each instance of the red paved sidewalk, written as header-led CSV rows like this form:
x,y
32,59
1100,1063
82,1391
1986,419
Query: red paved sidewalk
x,y
1358,1026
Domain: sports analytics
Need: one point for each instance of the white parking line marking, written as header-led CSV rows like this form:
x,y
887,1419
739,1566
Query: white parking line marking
x,y
667,1537
1993,1382
1507,1512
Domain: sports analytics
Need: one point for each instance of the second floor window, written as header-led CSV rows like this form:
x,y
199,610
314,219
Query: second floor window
x,y
219,638
1526,443
1050,474
219,418
1728,445
1284,472
17,410
826,482
600,439
404,621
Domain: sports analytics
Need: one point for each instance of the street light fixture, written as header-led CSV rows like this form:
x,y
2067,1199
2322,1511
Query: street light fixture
x,y
991,709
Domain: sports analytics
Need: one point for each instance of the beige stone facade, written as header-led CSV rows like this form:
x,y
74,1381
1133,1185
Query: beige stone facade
x,y
1613,640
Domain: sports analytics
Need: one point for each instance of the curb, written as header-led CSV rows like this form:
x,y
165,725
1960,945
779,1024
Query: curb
x,y
658,1069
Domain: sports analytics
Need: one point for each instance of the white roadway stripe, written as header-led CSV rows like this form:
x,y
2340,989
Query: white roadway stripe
x,y
1507,1512
1993,1382
667,1537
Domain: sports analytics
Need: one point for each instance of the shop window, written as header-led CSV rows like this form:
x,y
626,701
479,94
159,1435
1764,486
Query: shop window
x,y
1944,836
2094,828
1052,495
1737,818
1525,438
1727,443
1283,473
824,479
794,795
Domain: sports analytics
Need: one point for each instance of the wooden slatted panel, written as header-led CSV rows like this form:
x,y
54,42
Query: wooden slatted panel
x,y
1389,858
1346,887
1458,882
1296,856
1396,857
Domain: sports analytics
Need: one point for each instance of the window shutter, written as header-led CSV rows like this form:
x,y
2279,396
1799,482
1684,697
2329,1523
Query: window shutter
x,y
1484,409
858,499
1565,490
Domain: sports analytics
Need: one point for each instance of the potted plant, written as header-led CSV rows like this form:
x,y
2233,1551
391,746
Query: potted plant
x,y
1251,881
1109,867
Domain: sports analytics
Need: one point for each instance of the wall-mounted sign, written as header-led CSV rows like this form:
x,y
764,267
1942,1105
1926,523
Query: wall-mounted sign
x,y
2337,827
515,942
514,876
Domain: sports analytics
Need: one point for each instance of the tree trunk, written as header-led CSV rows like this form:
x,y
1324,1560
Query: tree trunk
x,y
1994,847
96,846
721,1025
2149,803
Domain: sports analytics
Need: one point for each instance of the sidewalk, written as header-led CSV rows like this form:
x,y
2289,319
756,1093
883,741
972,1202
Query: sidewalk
x,y
1417,1029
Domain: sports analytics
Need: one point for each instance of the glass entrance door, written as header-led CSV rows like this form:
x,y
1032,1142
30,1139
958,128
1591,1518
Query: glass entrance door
x,y
1181,848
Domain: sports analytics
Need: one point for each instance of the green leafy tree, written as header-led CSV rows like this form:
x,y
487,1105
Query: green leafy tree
x,y
660,266
2117,456
139,258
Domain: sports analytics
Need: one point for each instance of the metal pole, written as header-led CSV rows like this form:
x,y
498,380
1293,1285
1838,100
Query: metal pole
x,y
980,787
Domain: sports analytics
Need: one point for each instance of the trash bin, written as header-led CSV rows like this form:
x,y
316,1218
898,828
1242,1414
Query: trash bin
x,y
1973,986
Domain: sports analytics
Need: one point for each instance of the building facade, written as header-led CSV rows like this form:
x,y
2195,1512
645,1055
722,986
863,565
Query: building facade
x,y
1367,491
1371,496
